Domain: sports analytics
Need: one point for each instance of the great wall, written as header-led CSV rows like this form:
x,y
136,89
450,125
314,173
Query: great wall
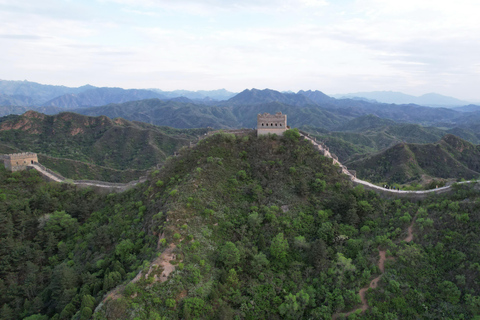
x,y
29,160
266,124
370,186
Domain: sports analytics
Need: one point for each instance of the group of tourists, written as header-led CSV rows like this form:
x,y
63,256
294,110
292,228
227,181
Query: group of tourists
x,y
386,186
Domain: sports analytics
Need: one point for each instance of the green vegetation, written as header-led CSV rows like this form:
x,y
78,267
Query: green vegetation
x,y
451,157
100,146
63,249
369,134
78,170
257,227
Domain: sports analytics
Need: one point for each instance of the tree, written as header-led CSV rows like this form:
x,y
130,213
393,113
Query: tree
x,y
232,279
319,185
449,292
318,255
279,247
229,254
61,224
292,134
193,308
124,248
294,305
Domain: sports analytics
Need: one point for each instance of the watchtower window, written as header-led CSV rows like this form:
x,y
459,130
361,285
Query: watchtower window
x,y
276,124
266,124
280,124
271,124
32,161
263,124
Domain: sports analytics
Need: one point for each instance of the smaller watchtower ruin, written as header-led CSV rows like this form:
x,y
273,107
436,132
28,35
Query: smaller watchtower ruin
x,y
271,123
19,161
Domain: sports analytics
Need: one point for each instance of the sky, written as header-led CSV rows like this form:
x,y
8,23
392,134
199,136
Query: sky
x,y
342,46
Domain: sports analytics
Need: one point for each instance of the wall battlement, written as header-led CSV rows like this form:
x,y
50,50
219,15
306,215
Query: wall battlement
x,y
16,156
271,123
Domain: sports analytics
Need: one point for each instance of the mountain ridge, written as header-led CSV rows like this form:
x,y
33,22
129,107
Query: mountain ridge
x,y
428,99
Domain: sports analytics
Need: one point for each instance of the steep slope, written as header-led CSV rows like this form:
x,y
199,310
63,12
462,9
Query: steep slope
x,y
242,216
451,157
117,144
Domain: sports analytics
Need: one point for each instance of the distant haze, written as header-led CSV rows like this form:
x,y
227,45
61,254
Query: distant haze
x,y
430,99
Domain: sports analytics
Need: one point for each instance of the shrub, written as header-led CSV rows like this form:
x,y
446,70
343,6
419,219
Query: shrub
x,y
292,134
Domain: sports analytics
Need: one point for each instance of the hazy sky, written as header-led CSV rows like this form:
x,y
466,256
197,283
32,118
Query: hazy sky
x,y
413,46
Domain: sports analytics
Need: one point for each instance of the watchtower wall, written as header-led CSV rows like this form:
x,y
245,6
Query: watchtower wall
x,y
271,123
19,161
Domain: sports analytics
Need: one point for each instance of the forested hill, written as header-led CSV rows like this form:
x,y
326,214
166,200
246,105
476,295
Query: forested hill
x,y
450,157
96,141
236,227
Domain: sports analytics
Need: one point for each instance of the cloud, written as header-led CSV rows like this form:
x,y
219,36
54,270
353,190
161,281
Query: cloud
x,y
291,44
21,36
211,7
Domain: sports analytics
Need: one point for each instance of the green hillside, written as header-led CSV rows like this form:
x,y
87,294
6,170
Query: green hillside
x,y
370,134
244,228
450,157
116,144
78,170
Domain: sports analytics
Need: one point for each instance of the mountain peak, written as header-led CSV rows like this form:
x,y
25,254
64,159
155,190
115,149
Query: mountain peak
x,y
257,96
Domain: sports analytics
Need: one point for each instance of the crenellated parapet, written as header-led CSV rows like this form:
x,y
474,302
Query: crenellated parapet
x,y
271,123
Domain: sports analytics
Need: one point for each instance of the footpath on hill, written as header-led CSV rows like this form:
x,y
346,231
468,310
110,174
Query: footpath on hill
x,y
374,283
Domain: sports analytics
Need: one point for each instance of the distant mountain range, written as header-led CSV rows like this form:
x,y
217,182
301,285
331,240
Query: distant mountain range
x,y
306,108
309,108
28,94
429,99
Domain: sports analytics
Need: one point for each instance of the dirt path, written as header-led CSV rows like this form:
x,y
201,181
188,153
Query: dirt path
x,y
374,283
163,262
410,232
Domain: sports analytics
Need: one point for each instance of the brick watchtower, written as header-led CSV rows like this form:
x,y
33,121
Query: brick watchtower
x,y
19,161
271,123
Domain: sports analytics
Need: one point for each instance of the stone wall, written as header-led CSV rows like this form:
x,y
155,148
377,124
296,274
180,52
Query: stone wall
x,y
271,123
19,161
